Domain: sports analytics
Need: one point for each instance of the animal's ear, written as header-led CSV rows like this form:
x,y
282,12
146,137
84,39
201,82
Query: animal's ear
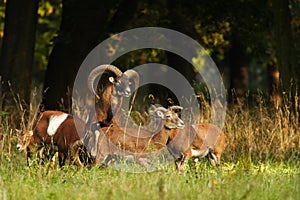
x,y
111,79
18,131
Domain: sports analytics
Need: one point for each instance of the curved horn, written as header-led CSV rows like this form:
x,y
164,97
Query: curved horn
x,y
99,70
154,108
131,74
160,108
175,108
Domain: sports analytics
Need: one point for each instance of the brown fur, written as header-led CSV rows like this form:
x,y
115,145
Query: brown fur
x,y
206,138
106,102
67,138
109,97
104,107
115,140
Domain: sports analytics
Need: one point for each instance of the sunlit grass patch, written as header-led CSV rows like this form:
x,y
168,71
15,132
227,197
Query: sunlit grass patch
x,y
234,181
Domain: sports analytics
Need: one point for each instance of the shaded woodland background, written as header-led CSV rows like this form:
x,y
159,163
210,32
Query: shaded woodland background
x,y
255,43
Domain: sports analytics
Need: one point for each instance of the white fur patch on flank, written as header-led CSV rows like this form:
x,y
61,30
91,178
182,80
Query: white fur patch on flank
x,y
54,122
199,153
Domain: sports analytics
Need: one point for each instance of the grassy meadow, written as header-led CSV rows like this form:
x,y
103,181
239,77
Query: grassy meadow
x,y
260,161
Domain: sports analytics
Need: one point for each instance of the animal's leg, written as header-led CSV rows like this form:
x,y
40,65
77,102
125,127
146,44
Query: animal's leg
x,y
75,153
181,163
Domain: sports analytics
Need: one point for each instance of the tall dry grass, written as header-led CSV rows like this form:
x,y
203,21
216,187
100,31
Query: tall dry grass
x,y
263,132
257,133
16,115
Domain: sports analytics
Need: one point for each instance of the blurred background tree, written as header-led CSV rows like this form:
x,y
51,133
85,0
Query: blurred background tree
x,y
16,59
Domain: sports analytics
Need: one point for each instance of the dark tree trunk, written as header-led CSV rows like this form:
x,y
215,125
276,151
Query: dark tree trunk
x,y
273,77
181,23
17,53
125,14
238,73
284,43
82,26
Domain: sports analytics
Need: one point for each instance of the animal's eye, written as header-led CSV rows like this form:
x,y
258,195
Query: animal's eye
x,y
168,116
118,82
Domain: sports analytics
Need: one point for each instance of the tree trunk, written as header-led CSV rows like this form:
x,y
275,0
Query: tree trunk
x,y
181,23
82,26
284,43
17,53
238,73
273,78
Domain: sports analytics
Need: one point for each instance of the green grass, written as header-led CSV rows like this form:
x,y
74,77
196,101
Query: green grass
x,y
235,181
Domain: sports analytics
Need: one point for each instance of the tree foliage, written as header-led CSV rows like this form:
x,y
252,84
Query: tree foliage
x,y
49,16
